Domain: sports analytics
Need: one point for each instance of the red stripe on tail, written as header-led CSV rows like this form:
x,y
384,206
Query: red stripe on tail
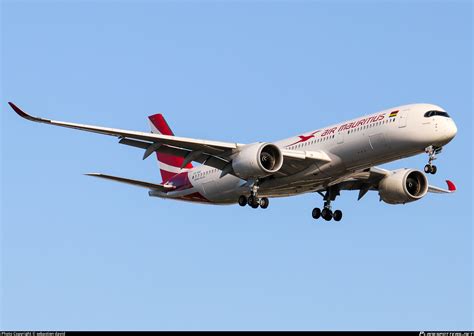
x,y
160,124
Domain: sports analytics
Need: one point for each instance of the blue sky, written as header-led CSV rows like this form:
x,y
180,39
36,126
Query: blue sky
x,y
81,253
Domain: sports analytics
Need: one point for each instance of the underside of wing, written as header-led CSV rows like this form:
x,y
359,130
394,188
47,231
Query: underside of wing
x,y
370,179
143,184
302,162
438,190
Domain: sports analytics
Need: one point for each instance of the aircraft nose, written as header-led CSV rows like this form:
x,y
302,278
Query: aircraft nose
x,y
446,131
451,129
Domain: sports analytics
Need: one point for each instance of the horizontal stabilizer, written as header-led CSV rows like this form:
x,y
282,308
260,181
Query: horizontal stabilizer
x,y
148,185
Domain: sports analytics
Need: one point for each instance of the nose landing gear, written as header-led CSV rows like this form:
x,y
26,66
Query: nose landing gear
x,y
326,213
432,151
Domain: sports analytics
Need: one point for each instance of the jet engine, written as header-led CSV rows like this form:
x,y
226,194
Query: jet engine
x,y
403,186
257,160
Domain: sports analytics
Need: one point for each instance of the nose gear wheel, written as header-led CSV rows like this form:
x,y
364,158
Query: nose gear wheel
x,y
432,151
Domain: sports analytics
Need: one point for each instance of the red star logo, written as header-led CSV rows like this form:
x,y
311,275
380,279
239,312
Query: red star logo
x,y
304,138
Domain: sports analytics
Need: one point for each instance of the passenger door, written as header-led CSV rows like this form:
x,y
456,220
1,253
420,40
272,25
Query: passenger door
x,y
340,137
402,122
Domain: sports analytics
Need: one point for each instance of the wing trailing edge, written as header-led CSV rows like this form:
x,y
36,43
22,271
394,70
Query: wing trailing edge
x,y
143,184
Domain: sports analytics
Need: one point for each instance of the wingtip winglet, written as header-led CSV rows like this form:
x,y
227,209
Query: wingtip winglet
x,y
451,186
25,115
16,109
20,112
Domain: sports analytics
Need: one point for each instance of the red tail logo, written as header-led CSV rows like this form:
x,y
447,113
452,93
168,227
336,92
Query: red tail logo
x,y
170,165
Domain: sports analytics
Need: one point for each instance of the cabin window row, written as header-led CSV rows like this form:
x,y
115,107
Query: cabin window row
x,y
307,143
391,120
204,173
387,121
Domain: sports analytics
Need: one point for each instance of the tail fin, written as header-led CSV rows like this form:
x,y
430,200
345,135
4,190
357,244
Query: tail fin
x,y
169,165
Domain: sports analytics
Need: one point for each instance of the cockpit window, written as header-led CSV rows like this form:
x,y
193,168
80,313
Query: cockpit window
x,y
436,113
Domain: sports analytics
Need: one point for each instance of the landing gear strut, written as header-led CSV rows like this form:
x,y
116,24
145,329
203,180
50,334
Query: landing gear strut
x,y
253,200
432,151
326,213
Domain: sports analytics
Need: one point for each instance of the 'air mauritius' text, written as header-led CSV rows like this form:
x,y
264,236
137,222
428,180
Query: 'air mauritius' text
x,y
353,124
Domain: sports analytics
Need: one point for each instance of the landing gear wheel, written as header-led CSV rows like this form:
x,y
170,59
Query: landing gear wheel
x,y
432,151
430,169
242,200
264,202
316,213
326,214
337,215
250,200
253,202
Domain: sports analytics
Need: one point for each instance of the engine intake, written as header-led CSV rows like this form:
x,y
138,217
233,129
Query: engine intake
x,y
257,160
403,186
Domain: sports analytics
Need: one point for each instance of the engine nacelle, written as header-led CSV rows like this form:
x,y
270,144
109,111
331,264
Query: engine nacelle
x,y
257,160
403,186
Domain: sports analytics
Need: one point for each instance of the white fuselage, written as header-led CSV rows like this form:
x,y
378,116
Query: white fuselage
x,y
353,145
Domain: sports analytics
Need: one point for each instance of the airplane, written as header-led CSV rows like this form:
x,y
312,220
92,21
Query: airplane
x,y
325,161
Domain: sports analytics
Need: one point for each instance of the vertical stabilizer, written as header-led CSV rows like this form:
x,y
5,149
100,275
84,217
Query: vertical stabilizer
x,y
169,165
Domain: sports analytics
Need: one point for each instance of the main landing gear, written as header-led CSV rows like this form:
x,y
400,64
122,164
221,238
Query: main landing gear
x,y
326,213
253,200
432,151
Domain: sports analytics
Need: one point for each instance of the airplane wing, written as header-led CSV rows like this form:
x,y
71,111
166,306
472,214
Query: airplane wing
x,y
148,185
369,179
437,190
211,146
216,154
